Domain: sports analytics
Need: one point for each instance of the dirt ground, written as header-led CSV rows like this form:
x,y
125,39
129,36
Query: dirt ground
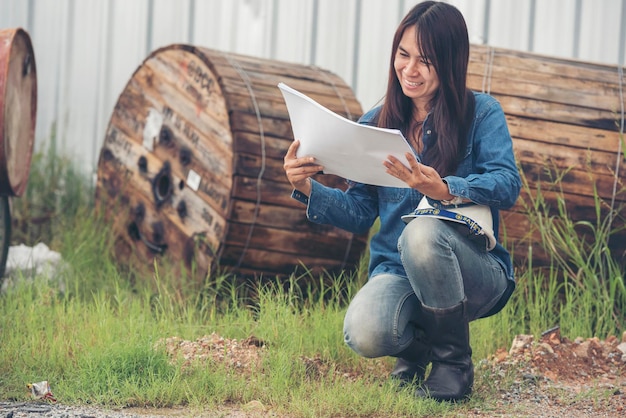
x,y
551,377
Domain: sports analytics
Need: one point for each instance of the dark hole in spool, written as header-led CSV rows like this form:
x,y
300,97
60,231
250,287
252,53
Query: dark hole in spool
x,y
162,187
133,231
185,156
107,154
182,209
142,163
158,232
139,212
135,235
166,137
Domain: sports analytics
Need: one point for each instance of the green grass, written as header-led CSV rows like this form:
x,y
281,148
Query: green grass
x,y
96,341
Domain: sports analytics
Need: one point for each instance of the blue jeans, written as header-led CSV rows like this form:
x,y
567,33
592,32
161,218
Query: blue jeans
x,y
445,264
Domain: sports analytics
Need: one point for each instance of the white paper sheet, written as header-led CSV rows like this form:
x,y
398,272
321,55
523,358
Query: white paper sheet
x,y
344,147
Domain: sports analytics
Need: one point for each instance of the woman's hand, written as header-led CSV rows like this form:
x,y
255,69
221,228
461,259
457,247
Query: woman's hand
x,y
300,170
418,176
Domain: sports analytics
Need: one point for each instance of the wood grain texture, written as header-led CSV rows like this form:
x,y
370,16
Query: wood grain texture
x,y
191,166
565,119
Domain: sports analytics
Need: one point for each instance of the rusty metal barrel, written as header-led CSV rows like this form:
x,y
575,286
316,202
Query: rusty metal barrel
x,y
18,110
192,166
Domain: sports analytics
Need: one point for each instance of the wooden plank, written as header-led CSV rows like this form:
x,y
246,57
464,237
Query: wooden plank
x,y
259,264
572,92
561,158
252,143
245,122
284,241
537,63
580,138
578,183
556,112
270,105
275,192
273,217
269,190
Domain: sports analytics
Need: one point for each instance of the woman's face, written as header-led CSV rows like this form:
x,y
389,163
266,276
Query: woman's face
x,y
419,80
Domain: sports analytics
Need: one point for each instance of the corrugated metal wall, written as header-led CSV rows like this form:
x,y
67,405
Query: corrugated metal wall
x,y
87,50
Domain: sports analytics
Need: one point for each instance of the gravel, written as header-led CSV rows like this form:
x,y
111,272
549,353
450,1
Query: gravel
x,y
30,409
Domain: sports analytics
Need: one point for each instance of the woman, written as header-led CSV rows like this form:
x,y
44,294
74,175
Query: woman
x,y
428,278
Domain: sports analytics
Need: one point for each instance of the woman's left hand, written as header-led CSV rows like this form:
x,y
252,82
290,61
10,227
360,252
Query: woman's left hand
x,y
418,176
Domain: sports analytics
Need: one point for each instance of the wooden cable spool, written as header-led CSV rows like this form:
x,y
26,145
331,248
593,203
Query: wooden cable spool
x,y
566,118
18,110
191,166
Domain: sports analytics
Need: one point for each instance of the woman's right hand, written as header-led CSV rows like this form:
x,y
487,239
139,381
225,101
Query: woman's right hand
x,y
300,170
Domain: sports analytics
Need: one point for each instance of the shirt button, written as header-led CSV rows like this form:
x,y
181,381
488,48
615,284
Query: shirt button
x,y
428,132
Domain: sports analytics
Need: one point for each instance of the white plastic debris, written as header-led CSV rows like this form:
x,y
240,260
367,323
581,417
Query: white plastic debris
x,y
41,390
24,262
31,260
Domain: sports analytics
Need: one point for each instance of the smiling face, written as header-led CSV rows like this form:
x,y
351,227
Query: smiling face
x,y
415,73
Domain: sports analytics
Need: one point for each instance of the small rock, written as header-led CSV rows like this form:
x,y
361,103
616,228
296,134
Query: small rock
x,y
547,347
582,349
520,343
554,338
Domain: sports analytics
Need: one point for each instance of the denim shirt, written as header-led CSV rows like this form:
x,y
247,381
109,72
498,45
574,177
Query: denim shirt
x,y
487,175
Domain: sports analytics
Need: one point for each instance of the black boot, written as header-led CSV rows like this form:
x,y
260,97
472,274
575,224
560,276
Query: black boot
x,y
411,363
452,374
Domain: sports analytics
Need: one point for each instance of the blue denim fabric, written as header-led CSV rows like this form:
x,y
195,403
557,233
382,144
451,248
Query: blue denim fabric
x,y
383,317
446,264
487,175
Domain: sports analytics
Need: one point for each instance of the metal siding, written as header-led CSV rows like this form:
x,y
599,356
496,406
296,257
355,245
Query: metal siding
x,y
127,37
251,18
293,31
378,23
622,36
86,52
474,13
83,75
214,24
335,43
170,22
509,23
49,38
600,31
555,31
14,14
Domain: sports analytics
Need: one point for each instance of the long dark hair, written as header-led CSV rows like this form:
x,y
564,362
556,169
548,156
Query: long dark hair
x,y
443,40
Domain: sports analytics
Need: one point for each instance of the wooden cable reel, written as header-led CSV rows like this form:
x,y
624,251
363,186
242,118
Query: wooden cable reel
x,y
191,166
566,118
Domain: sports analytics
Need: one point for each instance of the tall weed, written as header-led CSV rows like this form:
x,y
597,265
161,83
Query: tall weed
x,y
583,288
56,193
96,337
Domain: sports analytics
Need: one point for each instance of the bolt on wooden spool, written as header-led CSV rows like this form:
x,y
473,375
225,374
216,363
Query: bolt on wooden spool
x,y
192,166
18,109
